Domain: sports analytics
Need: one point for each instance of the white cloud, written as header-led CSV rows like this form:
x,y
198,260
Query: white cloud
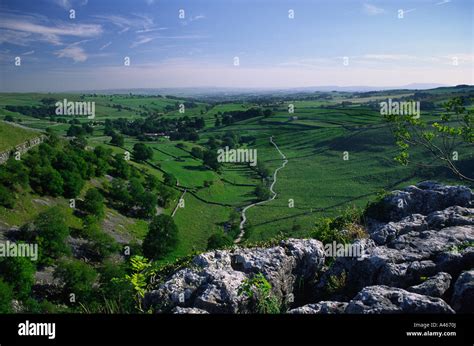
x,y
443,2
135,22
105,45
73,52
23,29
372,10
140,41
69,4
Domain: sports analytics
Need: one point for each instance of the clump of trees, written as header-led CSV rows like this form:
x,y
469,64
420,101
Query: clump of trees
x,y
183,128
55,168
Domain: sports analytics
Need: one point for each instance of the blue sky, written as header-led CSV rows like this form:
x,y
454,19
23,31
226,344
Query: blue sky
x,y
432,43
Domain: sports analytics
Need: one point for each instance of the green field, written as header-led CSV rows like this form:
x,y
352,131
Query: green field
x,y
11,135
315,139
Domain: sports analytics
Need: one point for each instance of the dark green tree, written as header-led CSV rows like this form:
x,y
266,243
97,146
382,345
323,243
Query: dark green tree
x,y
262,192
51,234
219,241
94,203
162,237
169,179
141,152
19,273
117,139
6,297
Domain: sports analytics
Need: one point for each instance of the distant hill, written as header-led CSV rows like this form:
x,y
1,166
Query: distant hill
x,y
201,91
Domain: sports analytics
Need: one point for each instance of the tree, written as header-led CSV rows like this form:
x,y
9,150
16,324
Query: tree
x,y
79,142
73,184
263,170
19,273
101,243
14,172
78,278
119,192
169,179
262,192
75,131
146,203
88,129
117,139
210,160
94,203
162,237
439,139
52,233
50,182
141,152
121,168
166,193
152,182
136,189
267,113
197,152
7,199
219,241
6,297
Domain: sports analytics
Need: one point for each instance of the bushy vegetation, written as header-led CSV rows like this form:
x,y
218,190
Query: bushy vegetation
x,y
259,291
161,238
343,229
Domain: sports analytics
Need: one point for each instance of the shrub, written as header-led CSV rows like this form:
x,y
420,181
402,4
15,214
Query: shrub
x,y
7,199
219,241
6,296
19,273
259,291
78,278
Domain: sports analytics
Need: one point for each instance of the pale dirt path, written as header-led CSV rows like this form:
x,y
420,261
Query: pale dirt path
x,y
243,217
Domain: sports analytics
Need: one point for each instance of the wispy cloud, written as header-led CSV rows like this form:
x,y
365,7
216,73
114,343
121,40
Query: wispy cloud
x,y
443,2
145,39
372,10
19,29
69,4
105,45
139,22
75,53
141,40
192,19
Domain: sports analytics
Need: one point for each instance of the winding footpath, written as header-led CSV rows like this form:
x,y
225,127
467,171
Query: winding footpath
x,y
243,217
